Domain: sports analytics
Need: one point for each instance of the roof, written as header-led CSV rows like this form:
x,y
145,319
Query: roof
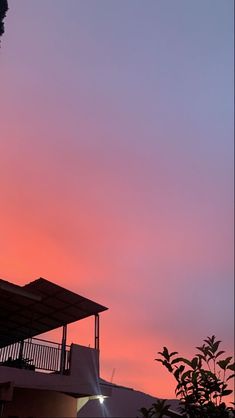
x,y
39,306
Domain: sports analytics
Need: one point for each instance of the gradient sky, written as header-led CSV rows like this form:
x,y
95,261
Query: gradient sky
x,y
116,169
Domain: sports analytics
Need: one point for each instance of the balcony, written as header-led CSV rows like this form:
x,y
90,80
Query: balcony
x,y
29,363
36,354
35,309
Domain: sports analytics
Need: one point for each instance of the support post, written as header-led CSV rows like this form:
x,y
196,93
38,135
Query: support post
x,y
97,332
97,339
63,350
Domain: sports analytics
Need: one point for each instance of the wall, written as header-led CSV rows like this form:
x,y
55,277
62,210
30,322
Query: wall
x,y
84,363
40,403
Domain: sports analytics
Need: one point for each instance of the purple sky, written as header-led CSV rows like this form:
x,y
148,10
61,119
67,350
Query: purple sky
x,y
116,168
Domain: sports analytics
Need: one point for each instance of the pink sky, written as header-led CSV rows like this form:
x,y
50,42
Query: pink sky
x,y
116,170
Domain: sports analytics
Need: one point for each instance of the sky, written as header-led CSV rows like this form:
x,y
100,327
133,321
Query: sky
x,y
116,170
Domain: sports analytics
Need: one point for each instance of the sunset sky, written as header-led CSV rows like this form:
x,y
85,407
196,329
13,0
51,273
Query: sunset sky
x,y
116,169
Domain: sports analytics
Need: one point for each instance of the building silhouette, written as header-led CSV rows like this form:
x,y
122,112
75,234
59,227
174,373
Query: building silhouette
x,y
41,378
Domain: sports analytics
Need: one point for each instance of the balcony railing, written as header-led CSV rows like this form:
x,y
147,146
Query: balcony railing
x,y
35,354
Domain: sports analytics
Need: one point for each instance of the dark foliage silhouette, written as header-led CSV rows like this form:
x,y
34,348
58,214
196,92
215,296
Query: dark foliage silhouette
x,y
3,11
159,410
202,383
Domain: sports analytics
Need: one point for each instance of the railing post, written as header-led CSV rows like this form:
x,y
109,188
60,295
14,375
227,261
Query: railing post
x,y
63,350
21,350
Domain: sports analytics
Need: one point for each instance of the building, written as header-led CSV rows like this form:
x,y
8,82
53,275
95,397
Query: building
x,y
41,378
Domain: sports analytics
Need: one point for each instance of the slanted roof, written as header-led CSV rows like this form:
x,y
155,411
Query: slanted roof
x,y
38,307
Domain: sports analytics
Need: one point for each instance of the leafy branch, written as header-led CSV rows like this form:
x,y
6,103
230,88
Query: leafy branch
x,y
200,387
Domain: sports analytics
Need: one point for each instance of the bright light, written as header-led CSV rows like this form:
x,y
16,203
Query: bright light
x,y
101,399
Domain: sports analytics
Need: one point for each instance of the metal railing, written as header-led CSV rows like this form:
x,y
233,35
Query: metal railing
x,y
34,354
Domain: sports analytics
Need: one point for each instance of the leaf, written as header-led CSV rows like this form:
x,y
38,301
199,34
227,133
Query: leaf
x,y
184,360
226,392
166,353
202,349
161,354
194,362
168,366
231,367
178,371
219,353
210,340
215,346
199,362
158,359
224,363
230,377
176,360
173,353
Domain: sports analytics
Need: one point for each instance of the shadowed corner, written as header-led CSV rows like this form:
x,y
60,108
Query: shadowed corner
x,y
3,11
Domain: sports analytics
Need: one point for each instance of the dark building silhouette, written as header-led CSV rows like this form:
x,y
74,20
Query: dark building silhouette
x,y
3,11
41,378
